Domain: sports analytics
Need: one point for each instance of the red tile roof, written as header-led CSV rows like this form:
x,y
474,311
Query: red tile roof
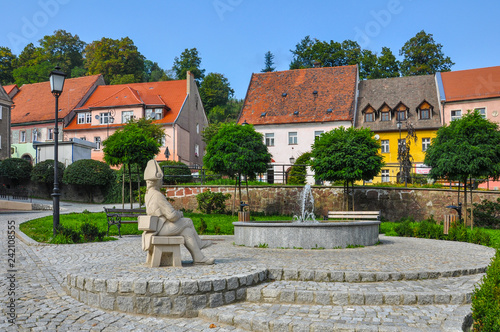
x,y
168,94
302,95
471,84
9,88
35,102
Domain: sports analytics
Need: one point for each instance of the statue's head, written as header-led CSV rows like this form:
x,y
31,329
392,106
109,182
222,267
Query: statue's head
x,y
153,171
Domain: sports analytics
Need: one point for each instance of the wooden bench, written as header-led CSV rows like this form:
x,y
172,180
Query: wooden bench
x,y
116,217
354,215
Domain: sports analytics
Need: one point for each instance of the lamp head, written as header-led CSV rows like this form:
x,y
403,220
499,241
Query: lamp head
x,y
56,79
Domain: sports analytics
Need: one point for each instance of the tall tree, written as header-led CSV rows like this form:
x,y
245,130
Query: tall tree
x,y
467,148
423,56
7,60
112,57
31,66
387,65
226,113
346,155
215,90
63,49
153,72
268,62
189,60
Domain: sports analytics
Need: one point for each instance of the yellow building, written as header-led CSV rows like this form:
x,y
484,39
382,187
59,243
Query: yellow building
x,y
390,107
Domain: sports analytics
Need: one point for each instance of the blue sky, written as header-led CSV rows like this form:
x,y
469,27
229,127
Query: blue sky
x,y
232,36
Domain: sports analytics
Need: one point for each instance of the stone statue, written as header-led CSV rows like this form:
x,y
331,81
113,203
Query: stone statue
x,y
171,222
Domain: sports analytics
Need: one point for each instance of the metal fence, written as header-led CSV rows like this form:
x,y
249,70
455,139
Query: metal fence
x,y
15,194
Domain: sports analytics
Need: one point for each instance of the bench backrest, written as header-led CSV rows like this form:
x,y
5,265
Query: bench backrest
x,y
354,215
128,213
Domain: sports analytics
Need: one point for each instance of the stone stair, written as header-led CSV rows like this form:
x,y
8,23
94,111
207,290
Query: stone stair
x,y
439,304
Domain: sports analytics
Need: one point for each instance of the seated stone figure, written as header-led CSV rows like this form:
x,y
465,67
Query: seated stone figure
x,y
171,222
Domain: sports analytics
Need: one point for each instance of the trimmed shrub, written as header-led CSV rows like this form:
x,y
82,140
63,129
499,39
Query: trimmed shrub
x,y
66,235
89,174
298,173
43,173
487,214
90,232
486,299
15,170
209,202
175,172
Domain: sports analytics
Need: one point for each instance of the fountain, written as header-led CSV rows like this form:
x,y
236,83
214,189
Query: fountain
x,y
305,232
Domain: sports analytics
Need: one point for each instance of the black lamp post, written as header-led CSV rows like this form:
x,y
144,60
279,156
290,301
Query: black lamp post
x,y
56,87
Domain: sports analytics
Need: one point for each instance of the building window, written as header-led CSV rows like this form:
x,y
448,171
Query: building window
x,y
154,114
482,111
385,116
1,111
369,117
127,115
402,144
401,115
0,140
426,142
455,115
197,128
385,146
35,135
269,139
385,175
425,114
84,117
22,139
317,134
97,141
50,135
104,118
83,138
196,150
292,138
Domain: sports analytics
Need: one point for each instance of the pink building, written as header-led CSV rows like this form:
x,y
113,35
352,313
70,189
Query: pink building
x,y
465,90
176,105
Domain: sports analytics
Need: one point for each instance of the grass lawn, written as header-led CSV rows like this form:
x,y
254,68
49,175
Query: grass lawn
x,y
40,229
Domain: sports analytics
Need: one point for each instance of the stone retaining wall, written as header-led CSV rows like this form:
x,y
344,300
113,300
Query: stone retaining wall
x,y
394,203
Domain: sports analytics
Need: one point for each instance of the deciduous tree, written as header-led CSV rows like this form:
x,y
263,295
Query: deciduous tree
x,y
423,56
346,155
6,66
189,60
215,90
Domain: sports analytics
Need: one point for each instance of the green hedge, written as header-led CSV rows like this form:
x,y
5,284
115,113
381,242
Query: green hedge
x,y
486,299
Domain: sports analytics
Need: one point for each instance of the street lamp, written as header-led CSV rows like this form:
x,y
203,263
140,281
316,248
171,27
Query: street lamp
x,y
292,160
56,79
399,124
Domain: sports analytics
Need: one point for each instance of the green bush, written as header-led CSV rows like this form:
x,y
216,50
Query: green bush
x,y
209,202
90,232
487,214
429,229
66,235
486,299
405,228
43,173
298,173
15,170
175,172
458,232
89,174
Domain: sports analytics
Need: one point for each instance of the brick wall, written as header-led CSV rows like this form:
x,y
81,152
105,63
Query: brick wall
x,y
393,202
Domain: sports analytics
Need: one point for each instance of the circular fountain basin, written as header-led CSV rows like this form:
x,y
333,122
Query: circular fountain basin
x,y
306,235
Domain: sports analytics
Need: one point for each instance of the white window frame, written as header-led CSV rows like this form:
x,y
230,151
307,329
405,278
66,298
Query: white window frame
x,y
97,141
401,115
454,116
293,138
104,117
370,117
426,142
385,175
269,139
50,134
384,146
84,117
482,111
318,133
127,115
1,111
382,114
158,113
426,110
34,135
81,118
197,128
22,136
196,150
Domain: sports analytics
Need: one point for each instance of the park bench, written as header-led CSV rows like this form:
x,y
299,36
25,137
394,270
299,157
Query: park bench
x,y
122,216
354,215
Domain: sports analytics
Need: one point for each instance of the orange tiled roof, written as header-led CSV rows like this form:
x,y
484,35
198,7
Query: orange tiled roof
x,y
35,102
9,88
471,84
168,94
302,95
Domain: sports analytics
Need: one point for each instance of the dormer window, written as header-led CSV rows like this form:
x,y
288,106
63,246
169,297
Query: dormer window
x,y
84,117
401,112
154,114
401,115
385,113
369,117
424,111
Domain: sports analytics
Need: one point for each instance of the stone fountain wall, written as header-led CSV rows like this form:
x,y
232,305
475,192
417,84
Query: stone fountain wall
x,y
393,203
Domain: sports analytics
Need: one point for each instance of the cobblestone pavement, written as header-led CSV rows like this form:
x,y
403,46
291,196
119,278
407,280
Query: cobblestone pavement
x,y
429,283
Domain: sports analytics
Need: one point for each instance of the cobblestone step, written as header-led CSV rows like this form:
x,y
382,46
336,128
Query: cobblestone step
x,y
423,292
317,318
